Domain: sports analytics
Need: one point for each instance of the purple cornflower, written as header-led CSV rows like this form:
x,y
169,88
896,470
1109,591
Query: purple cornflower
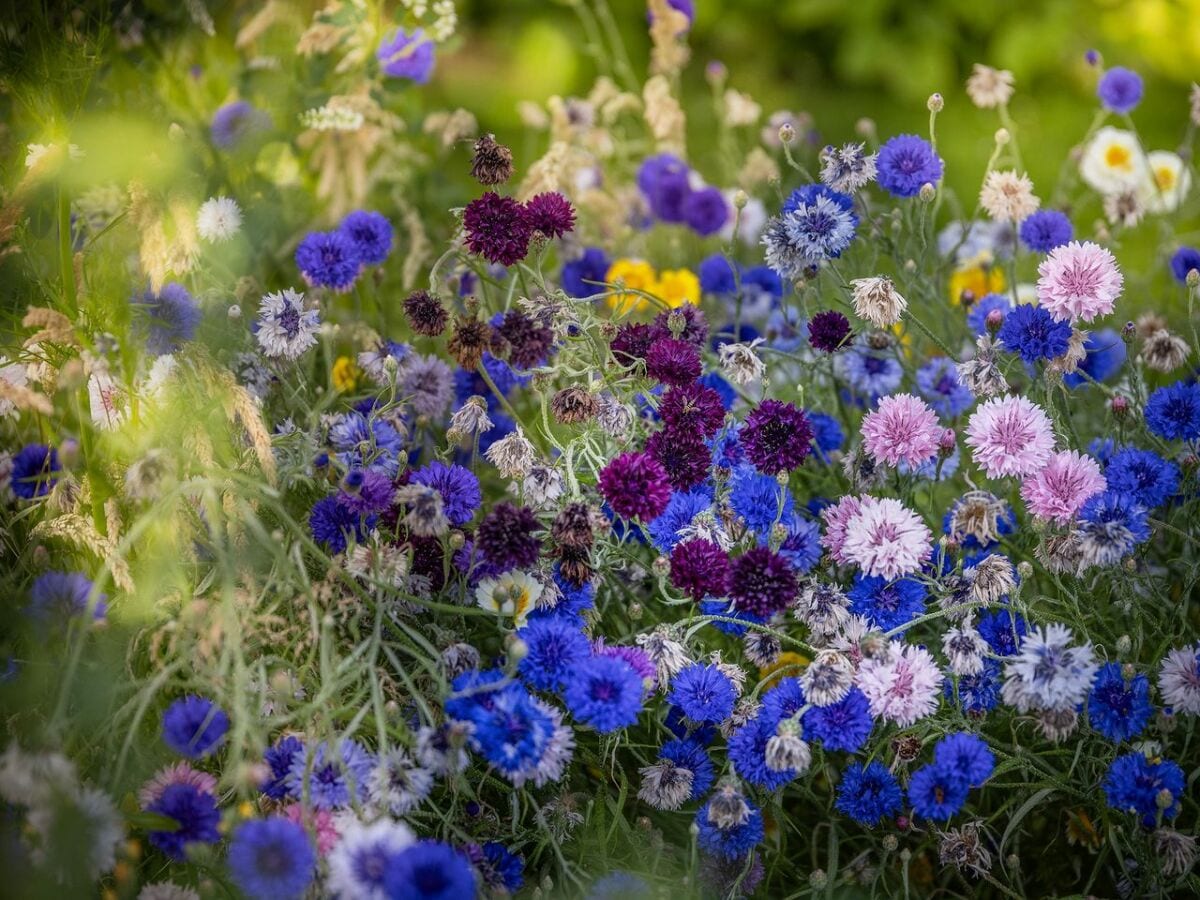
x,y
673,361
370,233
404,55
684,456
762,582
328,259
506,537
828,331
550,213
1120,89
700,568
777,437
193,726
498,228
635,486
905,163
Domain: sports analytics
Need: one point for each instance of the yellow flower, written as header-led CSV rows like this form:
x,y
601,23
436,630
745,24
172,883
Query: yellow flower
x,y
1080,830
344,374
786,664
978,276
635,274
679,286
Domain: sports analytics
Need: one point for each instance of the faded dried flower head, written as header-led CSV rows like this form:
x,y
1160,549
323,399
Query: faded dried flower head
x,y
471,337
1164,352
980,374
991,578
761,648
1062,554
877,300
469,419
1056,724
740,363
574,405
1176,851
426,516
614,417
513,455
1124,208
963,848
988,87
491,162
425,312
1007,196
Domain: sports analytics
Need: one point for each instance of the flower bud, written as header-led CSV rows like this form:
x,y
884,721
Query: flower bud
x,y
1025,568
890,843
1119,406
517,649
635,611
947,442
1124,644
1002,137
716,72
457,539
787,133
935,103
234,312
928,192
1164,799
740,199
864,127
994,320
1193,278
817,879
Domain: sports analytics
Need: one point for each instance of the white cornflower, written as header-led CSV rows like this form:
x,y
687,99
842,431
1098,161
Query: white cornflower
x,y
1179,679
285,328
106,400
828,678
877,300
513,594
397,784
824,608
542,486
218,219
988,87
14,374
1047,673
156,379
441,750
786,748
665,785
740,363
965,648
847,168
356,866
1007,196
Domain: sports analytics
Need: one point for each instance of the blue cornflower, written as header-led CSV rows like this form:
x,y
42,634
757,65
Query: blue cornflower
x,y
333,523
33,471
966,755
977,317
591,266
575,598
271,859
555,644
362,442
1045,230
619,885
935,468
1183,261
844,725
938,383
756,498
937,792
867,372
329,778
511,730
728,452
1134,783
705,211
717,275
604,692
458,486
1143,475
1111,525
404,55
868,792
328,259
733,842
1119,707
233,122
193,726
1102,449
664,181
724,607
690,754
195,811
1120,89
783,700
280,758
816,223
370,233
748,753
977,693
681,509
1034,334
173,317
1105,356
58,597
802,546
828,435
1002,630
888,604
761,287
502,870
786,330
474,693
685,730
703,692
905,163
429,870
1173,412
721,386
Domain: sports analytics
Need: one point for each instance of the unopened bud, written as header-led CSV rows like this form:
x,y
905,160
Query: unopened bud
x,y
994,320
865,127
1119,406
1124,644
947,442
635,611
935,102
740,199
890,843
661,566
1193,278
927,192
1025,568
457,540
716,72
1164,799
517,649
1002,137
817,878
787,133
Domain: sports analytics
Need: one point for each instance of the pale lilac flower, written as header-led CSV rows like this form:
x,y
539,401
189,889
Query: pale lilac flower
x,y
965,648
903,685
902,427
285,328
1079,281
828,678
178,773
886,538
1010,436
1179,679
836,517
1047,673
1060,488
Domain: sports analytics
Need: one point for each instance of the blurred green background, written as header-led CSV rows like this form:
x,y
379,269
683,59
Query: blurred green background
x,y
840,60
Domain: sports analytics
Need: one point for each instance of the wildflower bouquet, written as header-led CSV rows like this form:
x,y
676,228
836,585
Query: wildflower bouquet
x,y
591,529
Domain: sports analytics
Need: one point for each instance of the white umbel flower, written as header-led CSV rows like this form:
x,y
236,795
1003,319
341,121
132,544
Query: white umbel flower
x,y
218,219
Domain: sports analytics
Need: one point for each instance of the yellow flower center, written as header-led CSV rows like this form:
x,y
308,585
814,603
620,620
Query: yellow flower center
x,y
1117,157
1164,177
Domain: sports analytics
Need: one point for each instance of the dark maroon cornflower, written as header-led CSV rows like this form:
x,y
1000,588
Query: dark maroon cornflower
x,y
673,361
633,342
468,342
506,538
427,556
692,407
550,213
828,331
528,340
683,454
573,526
574,564
689,320
777,437
700,569
762,582
497,228
425,313
635,486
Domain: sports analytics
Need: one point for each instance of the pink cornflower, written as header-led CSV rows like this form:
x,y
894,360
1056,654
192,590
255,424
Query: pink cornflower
x,y
322,823
1079,281
1010,436
1059,489
902,427
178,773
836,517
886,538
902,685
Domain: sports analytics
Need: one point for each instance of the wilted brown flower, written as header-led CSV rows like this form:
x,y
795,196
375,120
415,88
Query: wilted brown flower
x,y
425,313
492,162
574,405
470,339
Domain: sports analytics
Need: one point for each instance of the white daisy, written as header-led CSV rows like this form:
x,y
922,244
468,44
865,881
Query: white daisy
x,y
1113,161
